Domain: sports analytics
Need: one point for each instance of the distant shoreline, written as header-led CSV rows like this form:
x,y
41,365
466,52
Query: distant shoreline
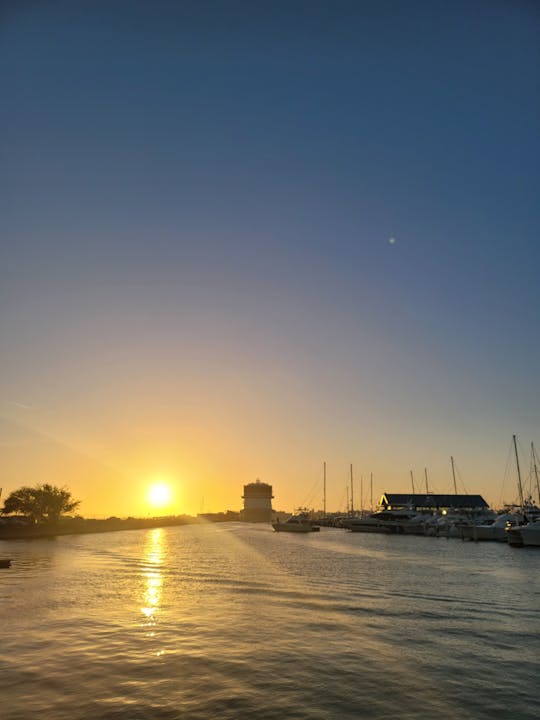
x,y
86,527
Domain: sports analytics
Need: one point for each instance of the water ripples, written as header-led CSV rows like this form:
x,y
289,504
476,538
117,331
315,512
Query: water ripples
x,y
236,621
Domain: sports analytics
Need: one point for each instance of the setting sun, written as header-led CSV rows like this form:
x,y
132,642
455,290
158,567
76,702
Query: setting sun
x,y
159,495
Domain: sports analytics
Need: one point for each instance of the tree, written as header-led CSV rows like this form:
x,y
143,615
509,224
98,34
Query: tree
x,y
42,503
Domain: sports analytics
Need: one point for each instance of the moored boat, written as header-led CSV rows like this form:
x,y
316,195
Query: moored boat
x,y
527,532
496,530
530,534
5,562
298,523
389,522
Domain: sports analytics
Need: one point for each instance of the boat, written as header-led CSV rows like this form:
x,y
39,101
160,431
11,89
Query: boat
x,y
373,523
5,562
496,530
388,521
298,523
528,534
528,531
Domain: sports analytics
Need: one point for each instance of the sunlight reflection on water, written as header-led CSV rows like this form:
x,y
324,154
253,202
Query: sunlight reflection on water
x,y
154,553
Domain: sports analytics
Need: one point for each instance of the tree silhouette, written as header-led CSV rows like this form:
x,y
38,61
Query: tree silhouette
x,y
42,503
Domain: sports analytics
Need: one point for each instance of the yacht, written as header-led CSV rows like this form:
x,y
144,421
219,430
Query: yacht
x,y
298,523
388,521
530,533
494,530
527,534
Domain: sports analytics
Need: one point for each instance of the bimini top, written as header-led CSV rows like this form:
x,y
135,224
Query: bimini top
x,y
431,501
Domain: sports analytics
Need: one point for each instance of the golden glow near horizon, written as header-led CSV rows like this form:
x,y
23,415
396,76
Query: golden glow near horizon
x,y
159,494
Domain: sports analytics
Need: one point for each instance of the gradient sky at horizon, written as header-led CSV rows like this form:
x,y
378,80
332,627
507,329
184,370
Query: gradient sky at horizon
x,y
240,239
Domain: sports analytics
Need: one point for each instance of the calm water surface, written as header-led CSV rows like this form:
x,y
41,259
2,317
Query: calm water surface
x,y
236,621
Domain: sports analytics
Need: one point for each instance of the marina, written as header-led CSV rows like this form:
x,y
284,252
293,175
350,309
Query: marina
x,y
452,515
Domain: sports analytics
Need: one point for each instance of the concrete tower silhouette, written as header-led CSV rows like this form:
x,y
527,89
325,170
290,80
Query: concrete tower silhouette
x,y
257,499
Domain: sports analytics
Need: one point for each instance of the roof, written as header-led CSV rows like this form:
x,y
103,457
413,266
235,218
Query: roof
x,y
432,500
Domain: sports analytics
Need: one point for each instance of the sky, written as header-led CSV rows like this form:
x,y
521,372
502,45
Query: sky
x,y
239,240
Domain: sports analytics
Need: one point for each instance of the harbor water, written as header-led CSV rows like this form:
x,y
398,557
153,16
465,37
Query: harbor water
x,y
235,621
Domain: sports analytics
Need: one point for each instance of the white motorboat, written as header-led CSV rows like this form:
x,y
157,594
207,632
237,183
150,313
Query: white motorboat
x,y
520,535
530,533
496,530
298,523
388,521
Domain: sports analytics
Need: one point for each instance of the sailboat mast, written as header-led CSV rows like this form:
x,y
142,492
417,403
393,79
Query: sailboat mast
x,y
520,487
453,474
412,481
535,471
361,494
352,492
371,490
427,488
324,489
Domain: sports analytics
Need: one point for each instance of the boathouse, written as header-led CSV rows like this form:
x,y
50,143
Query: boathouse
x,y
431,502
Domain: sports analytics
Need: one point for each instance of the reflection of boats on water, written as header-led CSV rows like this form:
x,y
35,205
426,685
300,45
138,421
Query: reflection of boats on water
x,y
300,522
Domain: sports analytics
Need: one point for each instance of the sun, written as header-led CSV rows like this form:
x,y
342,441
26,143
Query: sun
x,y
159,495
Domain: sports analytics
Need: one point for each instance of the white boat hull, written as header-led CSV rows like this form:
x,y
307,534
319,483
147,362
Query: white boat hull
x,y
369,528
530,534
484,532
289,527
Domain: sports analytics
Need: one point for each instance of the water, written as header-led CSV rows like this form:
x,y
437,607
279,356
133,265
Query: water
x,y
236,621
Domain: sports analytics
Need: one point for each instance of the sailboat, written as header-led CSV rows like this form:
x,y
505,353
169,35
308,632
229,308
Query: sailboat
x,y
528,532
501,527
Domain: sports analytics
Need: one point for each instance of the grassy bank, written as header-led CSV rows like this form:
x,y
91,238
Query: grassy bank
x,y
80,526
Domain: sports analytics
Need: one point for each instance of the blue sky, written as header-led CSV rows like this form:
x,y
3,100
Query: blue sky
x,y
197,279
